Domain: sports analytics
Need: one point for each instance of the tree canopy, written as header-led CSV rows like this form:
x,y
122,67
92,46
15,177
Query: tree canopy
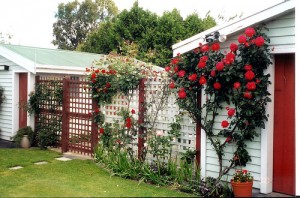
x,y
153,35
75,20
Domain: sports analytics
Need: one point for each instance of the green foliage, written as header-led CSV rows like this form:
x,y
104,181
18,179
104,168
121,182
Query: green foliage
x,y
234,81
21,132
75,20
152,34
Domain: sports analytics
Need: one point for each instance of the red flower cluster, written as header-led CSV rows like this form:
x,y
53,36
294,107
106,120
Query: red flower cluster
x,y
128,123
202,62
215,47
181,93
101,130
217,85
225,124
202,80
192,77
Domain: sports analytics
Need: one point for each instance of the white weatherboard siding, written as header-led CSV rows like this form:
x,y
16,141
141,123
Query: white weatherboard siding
x,y
10,102
282,40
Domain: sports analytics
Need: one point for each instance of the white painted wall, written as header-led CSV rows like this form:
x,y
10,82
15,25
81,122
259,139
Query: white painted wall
x,y
10,105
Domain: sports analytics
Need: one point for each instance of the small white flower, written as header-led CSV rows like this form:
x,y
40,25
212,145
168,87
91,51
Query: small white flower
x,y
159,133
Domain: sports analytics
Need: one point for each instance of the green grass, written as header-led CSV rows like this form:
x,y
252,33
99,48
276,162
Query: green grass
x,y
75,178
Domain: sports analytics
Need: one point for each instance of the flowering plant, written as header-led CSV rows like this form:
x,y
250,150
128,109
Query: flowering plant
x,y
234,85
242,176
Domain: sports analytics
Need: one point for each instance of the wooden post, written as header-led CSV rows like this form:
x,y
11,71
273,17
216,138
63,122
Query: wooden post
x,y
94,134
141,119
65,116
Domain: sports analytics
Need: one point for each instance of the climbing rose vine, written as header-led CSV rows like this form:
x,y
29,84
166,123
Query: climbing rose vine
x,y
233,82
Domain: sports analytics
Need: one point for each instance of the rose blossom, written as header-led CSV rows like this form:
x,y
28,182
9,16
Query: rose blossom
x,y
230,57
231,112
132,111
182,93
247,95
237,85
159,133
248,67
213,73
175,61
217,85
259,41
233,47
215,47
101,130
204,48
220,66
192,77
201,64
250,31
172,85
225,123
202,80
242,39
181,73
204,58
249,75
251,86
167,68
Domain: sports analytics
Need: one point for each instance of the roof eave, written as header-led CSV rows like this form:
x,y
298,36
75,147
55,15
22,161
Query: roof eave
x,y
54,69
233,27
18,59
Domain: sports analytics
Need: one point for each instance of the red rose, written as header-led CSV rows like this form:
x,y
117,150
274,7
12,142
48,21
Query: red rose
x,y
245,171
248,67
107,85
233,47
181,73
204,58
226,62
259,41
97,71
172,85
87,70
257,81
94,75
96,111
213,73
237,85
249,75
251,86
176,68
230,57
132,111
101,130
220,66
242,39
250,31
182,94
246,44
128,125
217,85
128,120
225,123
103,71
204,48
192,77
215,47
231,112
247,95
175,61
167,68
202,80
201,65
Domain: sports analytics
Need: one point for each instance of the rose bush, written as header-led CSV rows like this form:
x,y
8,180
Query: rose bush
x,y
235,81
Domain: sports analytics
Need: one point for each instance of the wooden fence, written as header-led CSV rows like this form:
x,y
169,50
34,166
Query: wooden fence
x,y
78,131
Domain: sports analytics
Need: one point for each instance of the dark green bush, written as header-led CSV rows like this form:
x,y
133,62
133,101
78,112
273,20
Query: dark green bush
x,y
21,132
46,137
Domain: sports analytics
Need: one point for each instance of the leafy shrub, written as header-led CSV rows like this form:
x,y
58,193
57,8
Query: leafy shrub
x,y
47,137
21,132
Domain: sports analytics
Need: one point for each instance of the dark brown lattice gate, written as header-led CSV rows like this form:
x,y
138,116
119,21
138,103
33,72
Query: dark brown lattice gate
x,y
77,132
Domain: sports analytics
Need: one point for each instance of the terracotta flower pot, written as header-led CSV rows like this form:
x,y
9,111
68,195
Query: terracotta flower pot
x,y
242,189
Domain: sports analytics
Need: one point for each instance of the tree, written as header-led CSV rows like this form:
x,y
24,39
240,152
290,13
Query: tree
x,y
75,20
153,35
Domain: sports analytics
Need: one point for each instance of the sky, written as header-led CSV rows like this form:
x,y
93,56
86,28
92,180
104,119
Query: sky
x,y
30,21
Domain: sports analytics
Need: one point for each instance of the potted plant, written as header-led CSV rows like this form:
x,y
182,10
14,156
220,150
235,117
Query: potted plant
x,y
242,183
24,137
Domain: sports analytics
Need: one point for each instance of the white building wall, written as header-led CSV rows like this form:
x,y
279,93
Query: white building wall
x,y
7,111
282,40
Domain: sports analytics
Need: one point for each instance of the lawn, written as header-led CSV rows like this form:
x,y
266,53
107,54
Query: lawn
x,y
75,178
